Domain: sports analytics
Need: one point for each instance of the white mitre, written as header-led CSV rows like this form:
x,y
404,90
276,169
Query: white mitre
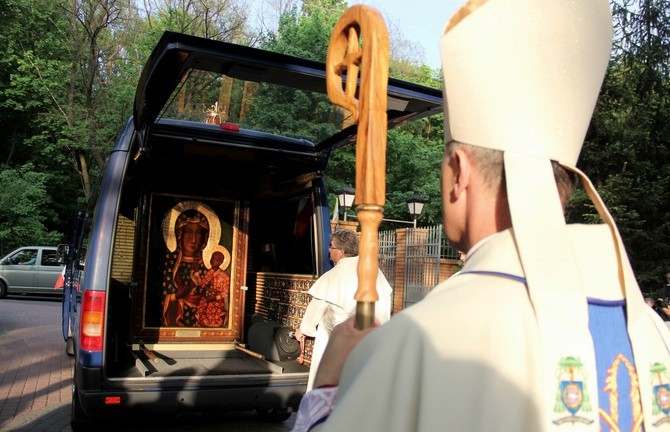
x,y
523,76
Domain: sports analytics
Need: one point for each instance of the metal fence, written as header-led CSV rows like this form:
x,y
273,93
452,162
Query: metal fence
x,y
387,254
422,262
425,249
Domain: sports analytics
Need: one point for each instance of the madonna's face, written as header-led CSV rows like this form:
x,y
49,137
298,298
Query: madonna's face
x,y
192,238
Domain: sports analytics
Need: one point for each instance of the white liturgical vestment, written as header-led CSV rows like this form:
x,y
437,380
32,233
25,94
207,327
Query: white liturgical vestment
x,y
333,302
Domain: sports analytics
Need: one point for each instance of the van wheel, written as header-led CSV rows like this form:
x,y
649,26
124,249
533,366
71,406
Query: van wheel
x,y
69,346
3,289
274,414
79,421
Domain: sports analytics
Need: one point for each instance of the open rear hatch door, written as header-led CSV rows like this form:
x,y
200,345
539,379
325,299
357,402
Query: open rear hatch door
x,y
179,57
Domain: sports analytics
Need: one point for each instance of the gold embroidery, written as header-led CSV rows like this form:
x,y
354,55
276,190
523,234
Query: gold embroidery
x,y
612,418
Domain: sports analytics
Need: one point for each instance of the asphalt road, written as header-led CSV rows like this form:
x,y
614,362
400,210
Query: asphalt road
x,y
36,375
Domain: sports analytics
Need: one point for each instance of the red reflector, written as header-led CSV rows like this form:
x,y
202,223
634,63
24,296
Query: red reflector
x,y
231,127
112,400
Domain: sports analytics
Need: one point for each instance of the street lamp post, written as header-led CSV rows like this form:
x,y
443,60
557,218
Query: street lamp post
x,y
415,204
345,199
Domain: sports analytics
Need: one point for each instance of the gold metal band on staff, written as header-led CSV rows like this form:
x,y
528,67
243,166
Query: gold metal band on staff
x,y
365,314
369,207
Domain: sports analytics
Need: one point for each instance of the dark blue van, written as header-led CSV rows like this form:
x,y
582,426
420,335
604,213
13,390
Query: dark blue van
x,y
211,225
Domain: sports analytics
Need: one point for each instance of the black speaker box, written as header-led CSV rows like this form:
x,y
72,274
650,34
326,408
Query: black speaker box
x,y
273,340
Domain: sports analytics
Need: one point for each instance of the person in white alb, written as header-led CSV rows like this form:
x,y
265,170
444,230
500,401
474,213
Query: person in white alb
x,y
333,296
545,327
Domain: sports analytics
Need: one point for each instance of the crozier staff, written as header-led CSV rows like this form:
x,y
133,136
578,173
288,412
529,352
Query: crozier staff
x,y
344,54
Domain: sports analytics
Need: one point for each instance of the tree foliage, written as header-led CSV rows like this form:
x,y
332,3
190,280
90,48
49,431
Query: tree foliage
x,y
23,200
627,150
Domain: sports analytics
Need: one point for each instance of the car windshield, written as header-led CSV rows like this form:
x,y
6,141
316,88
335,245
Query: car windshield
x,y
209,97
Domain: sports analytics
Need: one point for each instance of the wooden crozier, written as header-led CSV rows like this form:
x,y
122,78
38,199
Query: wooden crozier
x,y
360,43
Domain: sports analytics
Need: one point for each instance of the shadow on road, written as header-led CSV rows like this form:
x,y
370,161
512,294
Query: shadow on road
x,y
57,297
57,420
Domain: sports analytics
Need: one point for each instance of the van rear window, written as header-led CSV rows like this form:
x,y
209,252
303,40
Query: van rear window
x,y
214,98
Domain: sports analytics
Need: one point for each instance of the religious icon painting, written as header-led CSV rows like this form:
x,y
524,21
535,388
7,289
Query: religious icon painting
x,y
193,260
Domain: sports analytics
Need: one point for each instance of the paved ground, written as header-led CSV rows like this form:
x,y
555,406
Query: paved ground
x,y
36,374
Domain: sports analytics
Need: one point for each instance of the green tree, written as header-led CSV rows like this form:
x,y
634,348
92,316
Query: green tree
x,y
627,150
23,209
31,91
414,161
222,20
302,33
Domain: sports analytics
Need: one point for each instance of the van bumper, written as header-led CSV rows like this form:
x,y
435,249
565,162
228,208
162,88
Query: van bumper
x,y
97,400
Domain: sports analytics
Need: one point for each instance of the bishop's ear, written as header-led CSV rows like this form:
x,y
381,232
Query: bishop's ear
x,y
460,167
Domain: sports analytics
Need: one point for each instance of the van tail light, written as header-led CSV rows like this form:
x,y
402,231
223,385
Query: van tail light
x,y
92,319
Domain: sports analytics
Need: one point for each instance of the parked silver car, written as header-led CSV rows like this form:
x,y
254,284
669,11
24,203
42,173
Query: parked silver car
x,y
30,270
